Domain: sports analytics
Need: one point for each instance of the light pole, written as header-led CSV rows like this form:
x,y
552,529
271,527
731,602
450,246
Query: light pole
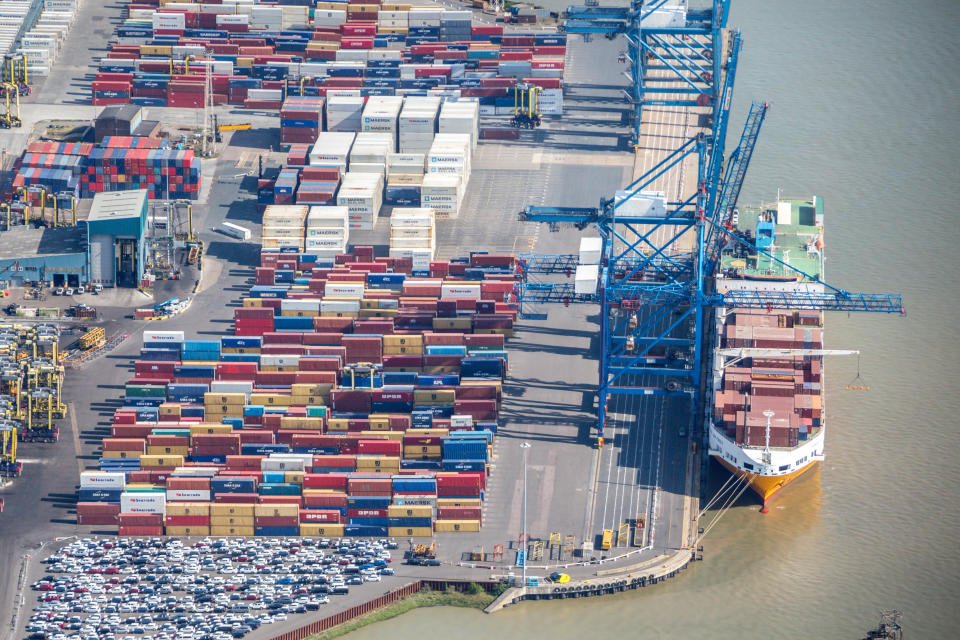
x,y
523,535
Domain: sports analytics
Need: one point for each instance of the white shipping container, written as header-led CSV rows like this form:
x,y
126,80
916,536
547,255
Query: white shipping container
x,y
411,243
163,336
102,479
131,502
323,252
339,306
590,250
337,233
279,360
299,304
327,216
232,386
280,464
235,230
343,290
585,280
332,148
411,232
321,242
265,94
188,495
460,291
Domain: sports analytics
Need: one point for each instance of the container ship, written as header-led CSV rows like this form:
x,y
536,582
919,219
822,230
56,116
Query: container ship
x,y
768,423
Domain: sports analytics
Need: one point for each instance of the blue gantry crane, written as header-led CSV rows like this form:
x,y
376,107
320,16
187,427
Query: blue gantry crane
x,y
654,278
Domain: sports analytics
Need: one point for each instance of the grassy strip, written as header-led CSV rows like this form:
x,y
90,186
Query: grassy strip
x,y
425,598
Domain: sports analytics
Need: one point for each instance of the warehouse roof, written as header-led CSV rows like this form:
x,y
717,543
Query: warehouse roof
x,y
117,205
26,242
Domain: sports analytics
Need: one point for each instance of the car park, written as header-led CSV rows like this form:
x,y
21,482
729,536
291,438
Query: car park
x,y
212,589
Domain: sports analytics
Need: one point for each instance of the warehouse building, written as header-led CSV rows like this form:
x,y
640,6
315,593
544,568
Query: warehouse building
x,y
116,228
43,255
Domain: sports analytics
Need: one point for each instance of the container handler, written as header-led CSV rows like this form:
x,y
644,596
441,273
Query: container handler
x,y
526,106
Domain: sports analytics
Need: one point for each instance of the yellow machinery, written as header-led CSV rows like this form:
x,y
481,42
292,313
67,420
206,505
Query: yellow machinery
x,y
607,539
93,339
526,106
31,381
9,466
10,120
15,73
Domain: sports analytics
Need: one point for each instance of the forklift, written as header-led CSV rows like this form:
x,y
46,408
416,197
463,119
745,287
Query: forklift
x,y
9,120
526,106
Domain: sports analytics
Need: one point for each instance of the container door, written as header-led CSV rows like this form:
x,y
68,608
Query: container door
x,y
101,259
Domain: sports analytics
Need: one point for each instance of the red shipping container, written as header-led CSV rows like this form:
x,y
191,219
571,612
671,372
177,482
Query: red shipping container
x,y
236,498
141,519
319,515
133,530
196,484
379,447
459,513
366,513
98,513
334,500
336,481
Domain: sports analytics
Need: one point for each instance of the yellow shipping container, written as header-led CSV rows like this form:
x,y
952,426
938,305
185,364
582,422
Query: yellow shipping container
x,y
311,389
337,424
296,477
403,340
402,350
429,396
231,521
158,450
253,302
369,462
321,530
339,314
155,50
141,485
398,30
375,434
244,350
458,502
122,454
271,399
244,61
224,398
300,401
396,7
461,526
410,532
275,510
209,427
231,509
378,313
422,451
188,508
452,323
432,431
231,531
301,422
215,412
161,461
379,421
192,530
417,511
507,333
169,409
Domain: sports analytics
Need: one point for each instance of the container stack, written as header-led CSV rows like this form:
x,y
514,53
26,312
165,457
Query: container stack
x,y
418,124
41,44
462,116
283,226
382,114
285,187
362,403
448,171
362,194
369,152
413,236
301,120
318,185
344,112
328,231
131,163
332,149
404,179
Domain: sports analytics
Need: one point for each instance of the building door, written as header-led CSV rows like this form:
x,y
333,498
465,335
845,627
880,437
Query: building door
x,y
73,280
58,280
101,259
127,263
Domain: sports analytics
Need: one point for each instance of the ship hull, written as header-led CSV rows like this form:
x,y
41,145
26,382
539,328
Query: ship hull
x,y
767,486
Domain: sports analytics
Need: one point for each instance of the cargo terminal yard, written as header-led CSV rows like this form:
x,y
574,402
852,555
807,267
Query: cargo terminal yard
x,y
613,513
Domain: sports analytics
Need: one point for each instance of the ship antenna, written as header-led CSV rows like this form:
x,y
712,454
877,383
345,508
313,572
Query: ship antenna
x,y
768,414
